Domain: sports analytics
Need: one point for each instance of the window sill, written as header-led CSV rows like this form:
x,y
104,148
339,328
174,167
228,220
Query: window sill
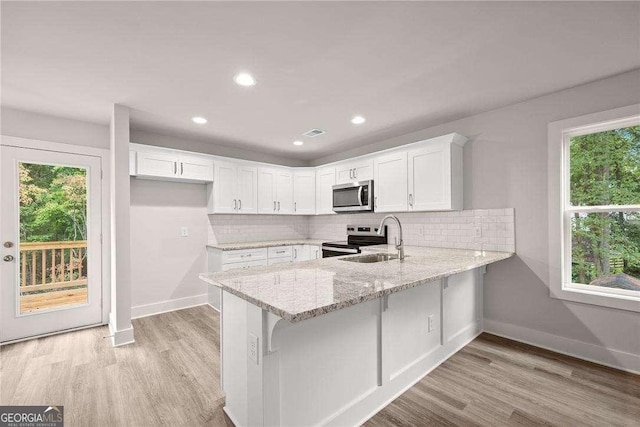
x,y
578,293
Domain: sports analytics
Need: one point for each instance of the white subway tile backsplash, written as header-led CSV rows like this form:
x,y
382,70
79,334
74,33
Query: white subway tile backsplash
x,y
437,229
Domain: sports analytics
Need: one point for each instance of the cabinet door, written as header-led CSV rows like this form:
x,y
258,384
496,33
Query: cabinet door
x,y
344,173
195,168
304,192
246,264
390,184
284,191
247,189
149,163
363,170
226,184
430,178
267,191
314,251
301,253
325,180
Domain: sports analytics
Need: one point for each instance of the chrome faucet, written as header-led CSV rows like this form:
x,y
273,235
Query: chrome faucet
x,y
399,242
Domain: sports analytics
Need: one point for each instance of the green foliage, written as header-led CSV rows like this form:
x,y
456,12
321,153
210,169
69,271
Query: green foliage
x,y
605,170
53,203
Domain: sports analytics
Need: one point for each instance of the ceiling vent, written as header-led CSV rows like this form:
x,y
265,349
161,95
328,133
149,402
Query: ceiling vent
x,y
313,132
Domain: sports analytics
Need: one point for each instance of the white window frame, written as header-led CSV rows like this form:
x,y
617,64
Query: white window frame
x,y
560,210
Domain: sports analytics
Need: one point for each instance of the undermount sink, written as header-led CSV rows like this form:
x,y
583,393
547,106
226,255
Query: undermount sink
x,y
372,258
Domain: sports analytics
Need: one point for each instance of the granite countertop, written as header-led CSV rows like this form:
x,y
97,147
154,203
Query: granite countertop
x,y
264,244
308,289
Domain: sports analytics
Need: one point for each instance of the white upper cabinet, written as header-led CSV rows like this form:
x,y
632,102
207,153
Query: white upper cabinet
x,y
156,164
267,203
352,171
247,189
275,191
234,189
435,175
162,163
325,180
304,192
390,182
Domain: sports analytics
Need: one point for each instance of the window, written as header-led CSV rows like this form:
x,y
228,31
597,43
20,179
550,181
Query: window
x,y
599,192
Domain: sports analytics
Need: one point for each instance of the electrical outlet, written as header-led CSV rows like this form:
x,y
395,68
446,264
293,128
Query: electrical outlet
x,y
477,231
430,323
184,231
253,348
421,230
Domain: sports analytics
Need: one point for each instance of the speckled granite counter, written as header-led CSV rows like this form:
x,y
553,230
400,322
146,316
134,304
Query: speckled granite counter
x,y
308,289
265,244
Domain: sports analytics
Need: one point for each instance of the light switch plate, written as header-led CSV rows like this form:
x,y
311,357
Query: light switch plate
x,y
184,231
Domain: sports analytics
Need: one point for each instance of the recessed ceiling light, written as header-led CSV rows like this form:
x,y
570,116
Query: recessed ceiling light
x,y
298,142
244,79
358,120
199,120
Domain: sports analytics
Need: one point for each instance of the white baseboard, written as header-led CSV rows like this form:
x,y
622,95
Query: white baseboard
x,y
624,361
120,337
166,306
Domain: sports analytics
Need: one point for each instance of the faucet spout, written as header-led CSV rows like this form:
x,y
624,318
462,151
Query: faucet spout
x,y
400,242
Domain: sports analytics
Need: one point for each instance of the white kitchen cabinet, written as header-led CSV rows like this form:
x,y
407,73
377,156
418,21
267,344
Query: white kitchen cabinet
x,y
161,163
325,180
435,177
352,171
234,189
156,164
390,182
304,192
306,252
275,191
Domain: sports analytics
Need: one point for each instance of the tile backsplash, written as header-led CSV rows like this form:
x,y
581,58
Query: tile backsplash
x,y
488,229
255,228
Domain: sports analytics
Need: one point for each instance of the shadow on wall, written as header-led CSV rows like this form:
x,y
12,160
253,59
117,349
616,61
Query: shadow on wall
x,y
146,192
505,299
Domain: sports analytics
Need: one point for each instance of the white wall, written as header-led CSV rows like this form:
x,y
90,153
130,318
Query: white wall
x,y
26,124
506,166
165,266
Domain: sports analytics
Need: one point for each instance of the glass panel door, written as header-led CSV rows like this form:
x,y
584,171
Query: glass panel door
x,y
50,229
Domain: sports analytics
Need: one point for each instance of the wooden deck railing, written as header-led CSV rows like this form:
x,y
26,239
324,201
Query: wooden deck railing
x,y
50,266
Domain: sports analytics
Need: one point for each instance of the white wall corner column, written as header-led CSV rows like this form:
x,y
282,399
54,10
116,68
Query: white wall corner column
x,y
120,327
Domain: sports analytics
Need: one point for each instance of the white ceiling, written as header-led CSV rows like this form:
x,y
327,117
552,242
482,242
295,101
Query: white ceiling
x,y
404,66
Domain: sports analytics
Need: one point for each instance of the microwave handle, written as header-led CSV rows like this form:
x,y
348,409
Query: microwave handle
x,y
360,189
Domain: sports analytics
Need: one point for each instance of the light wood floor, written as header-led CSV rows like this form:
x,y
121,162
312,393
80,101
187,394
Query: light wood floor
x,y
170,377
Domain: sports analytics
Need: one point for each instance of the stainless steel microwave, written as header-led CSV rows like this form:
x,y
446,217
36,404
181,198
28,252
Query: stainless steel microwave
x,y
353,197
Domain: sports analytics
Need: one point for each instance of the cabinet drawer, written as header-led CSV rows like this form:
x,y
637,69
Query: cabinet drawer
x,y
280,252
246,264
244,255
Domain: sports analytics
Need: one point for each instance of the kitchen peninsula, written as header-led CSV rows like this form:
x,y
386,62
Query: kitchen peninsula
x,y
332,341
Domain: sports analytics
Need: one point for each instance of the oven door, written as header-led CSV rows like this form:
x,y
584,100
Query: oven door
x,y
328,251
353,197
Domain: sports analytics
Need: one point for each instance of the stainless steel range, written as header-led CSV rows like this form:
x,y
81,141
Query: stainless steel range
x,y
357,236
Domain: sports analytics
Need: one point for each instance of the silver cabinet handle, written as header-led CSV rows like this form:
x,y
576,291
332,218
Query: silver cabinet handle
x,y
351,173
295,206
181,168
239,204
278,206
295,253
355,173
375,202
8,258
175,168
274,205
410,199
235,205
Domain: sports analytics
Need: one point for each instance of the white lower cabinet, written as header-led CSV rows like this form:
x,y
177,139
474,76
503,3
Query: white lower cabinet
x,y
306,252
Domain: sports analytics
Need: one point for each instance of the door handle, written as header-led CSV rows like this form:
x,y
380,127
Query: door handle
x,y
278,206
375,202
274,205
350,173
410,199
235,205
295,253
355,173
8,244
175,168
239,204
181,168
8,258
295,206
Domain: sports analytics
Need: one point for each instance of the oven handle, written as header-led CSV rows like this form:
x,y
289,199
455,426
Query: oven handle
x,y
344,250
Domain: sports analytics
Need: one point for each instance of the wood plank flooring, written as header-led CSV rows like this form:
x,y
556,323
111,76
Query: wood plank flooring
x,y
170,377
